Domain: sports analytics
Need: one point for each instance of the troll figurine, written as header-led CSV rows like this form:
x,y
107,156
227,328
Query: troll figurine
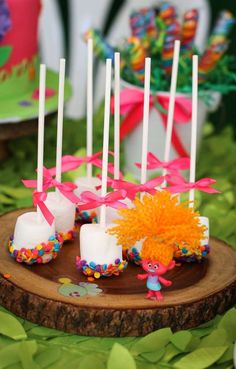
x,y
161,223
155,270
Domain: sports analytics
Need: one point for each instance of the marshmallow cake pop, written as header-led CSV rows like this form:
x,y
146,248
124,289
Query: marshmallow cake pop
x,y
34,239
187,252
88,183
99,253
62,208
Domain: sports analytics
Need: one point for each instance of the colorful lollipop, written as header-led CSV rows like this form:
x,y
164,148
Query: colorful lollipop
x,y
101,47
218,44
134,53
169,17
222,28
188,32
143,25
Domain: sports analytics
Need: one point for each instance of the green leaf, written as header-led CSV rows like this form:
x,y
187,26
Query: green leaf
x,y
5,52
217,338
48,357
10,327
25,202
181,339
153,341
201,358
5,200
171,352
91,361
154,356
45,332
228,355
26,351
120,358
15,193
228,322
18,352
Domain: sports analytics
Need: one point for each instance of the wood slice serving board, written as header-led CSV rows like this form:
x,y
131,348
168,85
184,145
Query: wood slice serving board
x,y
199,292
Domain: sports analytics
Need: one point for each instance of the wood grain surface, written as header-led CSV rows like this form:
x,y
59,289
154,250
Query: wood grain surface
x,y
198,293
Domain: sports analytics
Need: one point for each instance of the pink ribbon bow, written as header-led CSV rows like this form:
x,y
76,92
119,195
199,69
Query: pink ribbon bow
x,y
180,185
132,188
172,166
91,201
65,188
70,162
131,105
38,200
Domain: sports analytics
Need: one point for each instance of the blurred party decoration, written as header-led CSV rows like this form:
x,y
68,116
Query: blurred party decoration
x,y
153,32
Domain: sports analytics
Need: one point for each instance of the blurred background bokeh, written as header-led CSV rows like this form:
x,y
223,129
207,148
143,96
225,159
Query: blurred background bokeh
x,y
62,25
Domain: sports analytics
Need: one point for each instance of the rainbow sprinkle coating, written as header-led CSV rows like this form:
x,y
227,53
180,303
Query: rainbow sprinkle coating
x,y
96,270
84,217
185,253
133,255
182,253
41,254
68,236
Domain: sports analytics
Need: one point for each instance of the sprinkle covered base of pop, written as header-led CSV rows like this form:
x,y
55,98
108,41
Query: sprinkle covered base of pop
x,y
97,270
182,253
40,254
68,236
186,254
85,217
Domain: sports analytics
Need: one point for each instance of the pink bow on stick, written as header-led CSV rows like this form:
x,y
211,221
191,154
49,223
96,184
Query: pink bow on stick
x,y
70,162
203,184
91,201
172,166
132,188
65,188
38,200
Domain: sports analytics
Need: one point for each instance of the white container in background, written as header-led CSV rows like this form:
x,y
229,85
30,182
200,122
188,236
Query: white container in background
x,y
157,132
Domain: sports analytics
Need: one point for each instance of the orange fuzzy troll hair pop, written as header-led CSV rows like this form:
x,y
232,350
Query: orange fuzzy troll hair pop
x,y
161,222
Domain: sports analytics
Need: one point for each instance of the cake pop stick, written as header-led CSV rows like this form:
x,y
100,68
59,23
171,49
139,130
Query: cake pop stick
x,y
106,140
61,202
192,175
117,118
99,252
145,120
34,239
60,119
111,213
170,117
89,182
134,252
42,82
90,106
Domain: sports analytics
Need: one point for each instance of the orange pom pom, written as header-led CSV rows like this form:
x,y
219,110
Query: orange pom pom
x,y
161,222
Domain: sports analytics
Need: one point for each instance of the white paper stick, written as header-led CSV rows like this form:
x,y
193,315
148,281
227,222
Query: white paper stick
x,y
42,83
194,128
145,120
171,109
60,119
117,118
106,139
90,106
